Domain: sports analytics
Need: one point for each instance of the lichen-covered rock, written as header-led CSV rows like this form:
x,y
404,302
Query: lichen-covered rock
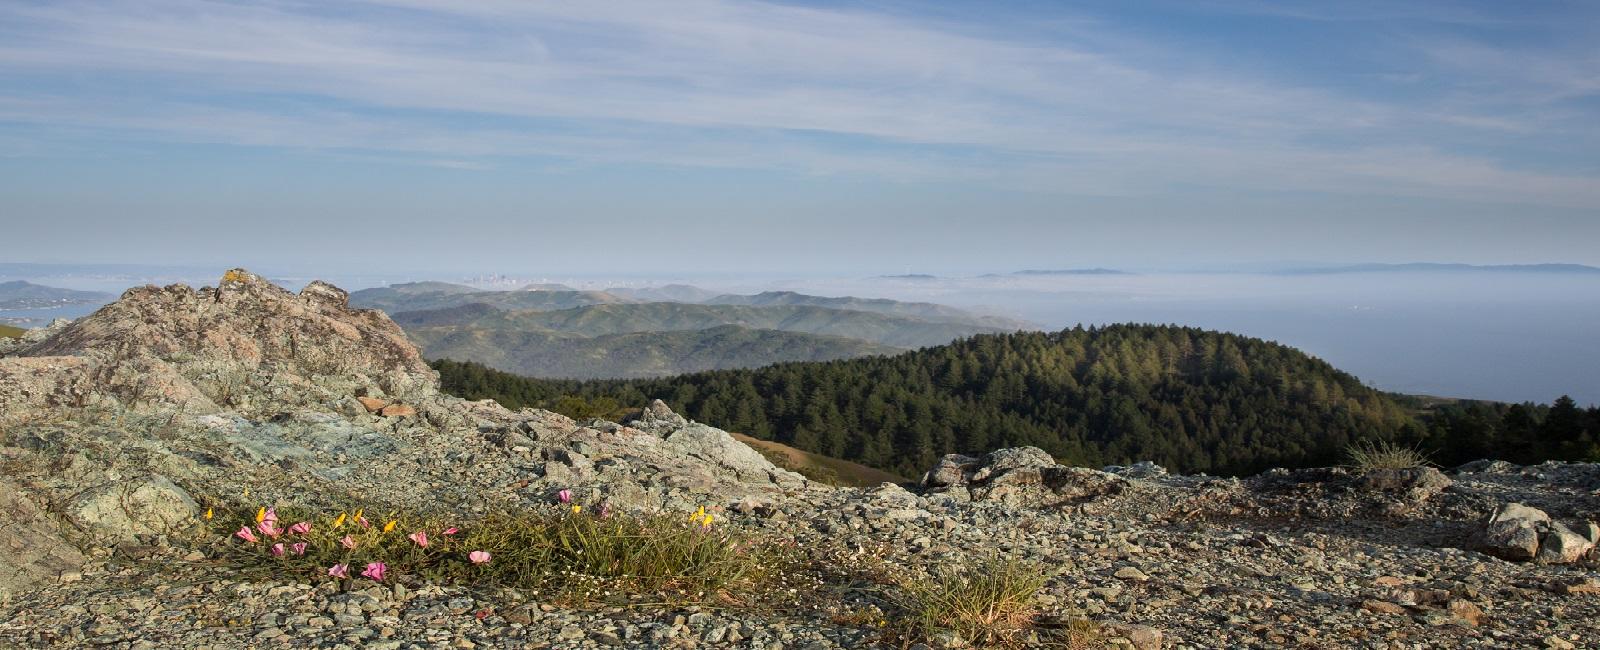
x,y
122,510
247,344
1020,475
32,549
1512,539
712,446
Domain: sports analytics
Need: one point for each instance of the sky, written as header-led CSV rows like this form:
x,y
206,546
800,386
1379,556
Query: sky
x,y
831,137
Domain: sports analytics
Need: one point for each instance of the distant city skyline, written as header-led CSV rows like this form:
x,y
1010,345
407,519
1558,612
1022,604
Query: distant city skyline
x,y
417,136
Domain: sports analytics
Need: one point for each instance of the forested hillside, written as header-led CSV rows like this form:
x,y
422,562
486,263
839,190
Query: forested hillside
x,y
1189,399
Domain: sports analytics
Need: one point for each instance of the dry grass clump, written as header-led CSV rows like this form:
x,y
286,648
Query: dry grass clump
x,y
563,553
1371,455
986,603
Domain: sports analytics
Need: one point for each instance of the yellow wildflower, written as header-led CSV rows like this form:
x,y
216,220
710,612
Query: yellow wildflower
x,y
261,514
389,527
208,513
699,513
576,508
708,520
337,523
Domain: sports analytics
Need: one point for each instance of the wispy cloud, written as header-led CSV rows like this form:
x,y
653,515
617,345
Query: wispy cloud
x,y
755,85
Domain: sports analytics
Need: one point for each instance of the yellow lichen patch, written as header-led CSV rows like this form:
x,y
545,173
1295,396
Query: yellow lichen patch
x,y
233,275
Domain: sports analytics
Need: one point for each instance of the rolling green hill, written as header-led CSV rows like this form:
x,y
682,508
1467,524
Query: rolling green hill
x,y
545,353
1188,399
9,332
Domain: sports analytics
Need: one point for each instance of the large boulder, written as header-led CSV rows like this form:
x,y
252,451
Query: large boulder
x,y
1519,533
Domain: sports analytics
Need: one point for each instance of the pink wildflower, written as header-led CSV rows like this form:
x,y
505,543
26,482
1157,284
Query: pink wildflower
x,y
564,496
420,537
339,571
269,528
300,528
375,570
363,521
348,541
479,557
277,550
451,530
299,548
245,534
271,515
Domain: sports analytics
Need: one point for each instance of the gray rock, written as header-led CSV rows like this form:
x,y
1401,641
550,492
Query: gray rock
x,y
1518,512
121,510
32,549
1514,539
1562,546
1413,485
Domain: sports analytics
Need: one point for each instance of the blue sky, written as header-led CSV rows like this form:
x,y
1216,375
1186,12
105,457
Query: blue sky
x,y
711,136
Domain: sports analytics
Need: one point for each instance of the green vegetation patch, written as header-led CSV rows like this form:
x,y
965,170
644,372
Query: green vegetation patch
x,y
567,552
9,332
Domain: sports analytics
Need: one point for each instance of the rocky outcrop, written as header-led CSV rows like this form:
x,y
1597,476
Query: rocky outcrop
x,y
1520,533
1019,475
681,437
120,511
32,549
245,345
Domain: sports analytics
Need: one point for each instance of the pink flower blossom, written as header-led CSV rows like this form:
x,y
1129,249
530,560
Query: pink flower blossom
x,y
420,537
245,534
605,510
348,541
339,571
375,570
363,521
277,549
299,548
451,530
564,496
270,516
479,557
269,528
300,528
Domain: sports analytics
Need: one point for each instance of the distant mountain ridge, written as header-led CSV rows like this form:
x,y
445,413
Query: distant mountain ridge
x,y
921,310
600,334
633,355
21,294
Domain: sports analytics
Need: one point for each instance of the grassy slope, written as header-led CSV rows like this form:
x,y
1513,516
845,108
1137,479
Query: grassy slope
x,y
7,331
826,469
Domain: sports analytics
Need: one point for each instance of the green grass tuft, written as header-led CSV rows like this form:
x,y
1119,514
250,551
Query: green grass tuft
x,y
1371,455
987,604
